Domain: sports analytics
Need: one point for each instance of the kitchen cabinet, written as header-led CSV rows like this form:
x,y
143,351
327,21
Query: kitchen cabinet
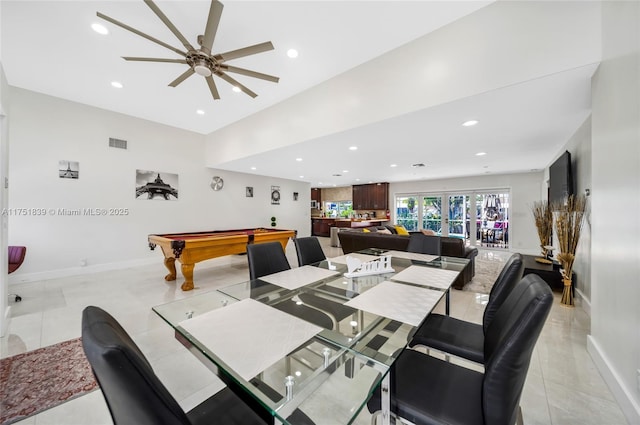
x,y
374,196
322,226
316,195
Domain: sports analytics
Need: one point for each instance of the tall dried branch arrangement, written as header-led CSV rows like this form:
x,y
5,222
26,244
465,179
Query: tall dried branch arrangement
x,y
544,223
569,220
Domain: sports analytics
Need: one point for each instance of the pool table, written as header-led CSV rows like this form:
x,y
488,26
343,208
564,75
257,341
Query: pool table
x,y
191,248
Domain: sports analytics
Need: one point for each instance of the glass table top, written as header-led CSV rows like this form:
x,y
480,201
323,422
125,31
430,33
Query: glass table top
x,y
344,355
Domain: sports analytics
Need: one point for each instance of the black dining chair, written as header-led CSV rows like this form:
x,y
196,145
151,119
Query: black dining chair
x,y
466,339
308,250
424,244
133,392
266,258
427,390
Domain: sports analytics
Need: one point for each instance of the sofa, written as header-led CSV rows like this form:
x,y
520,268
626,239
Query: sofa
x,y
356,240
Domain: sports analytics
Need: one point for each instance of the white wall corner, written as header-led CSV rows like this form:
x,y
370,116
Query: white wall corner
x,y
585,303
622,394
4,326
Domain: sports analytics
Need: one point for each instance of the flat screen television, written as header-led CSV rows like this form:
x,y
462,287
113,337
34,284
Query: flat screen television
x,y
560,179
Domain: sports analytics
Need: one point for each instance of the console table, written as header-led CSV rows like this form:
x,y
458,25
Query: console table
x,y
550,273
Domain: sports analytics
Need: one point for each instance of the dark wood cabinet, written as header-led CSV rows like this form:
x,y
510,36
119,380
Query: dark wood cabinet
x,y
322,226
316,195
374,196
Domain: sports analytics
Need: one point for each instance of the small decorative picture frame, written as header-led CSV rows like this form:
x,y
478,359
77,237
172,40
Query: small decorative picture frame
x,y
295,196
275,195
249,192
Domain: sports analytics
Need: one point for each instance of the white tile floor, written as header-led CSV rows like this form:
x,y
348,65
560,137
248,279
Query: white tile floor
x,y
563,386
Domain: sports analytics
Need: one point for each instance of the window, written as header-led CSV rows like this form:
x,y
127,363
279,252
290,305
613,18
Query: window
x,y
338,209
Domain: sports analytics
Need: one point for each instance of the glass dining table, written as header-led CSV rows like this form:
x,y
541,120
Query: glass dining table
x,y
310,344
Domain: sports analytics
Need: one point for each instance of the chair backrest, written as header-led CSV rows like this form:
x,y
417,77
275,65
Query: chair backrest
x,y
266,258
133,392
509,276
308,250
16,257
508,345
424,244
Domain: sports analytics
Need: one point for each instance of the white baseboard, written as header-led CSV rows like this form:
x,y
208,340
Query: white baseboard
x,y
623,395
17,278
75,271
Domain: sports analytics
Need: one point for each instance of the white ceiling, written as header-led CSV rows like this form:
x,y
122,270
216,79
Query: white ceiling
x,y
49,47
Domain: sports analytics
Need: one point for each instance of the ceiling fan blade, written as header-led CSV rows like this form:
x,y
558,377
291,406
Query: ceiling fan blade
x,y
250,73
212,87
245,51
215,12
141,34
188,73
169,25
137,59
235,83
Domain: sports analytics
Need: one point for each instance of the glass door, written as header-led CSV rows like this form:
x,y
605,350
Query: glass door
x,y
432,213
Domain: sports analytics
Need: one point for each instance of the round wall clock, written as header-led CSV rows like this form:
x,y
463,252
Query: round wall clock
x,y
217,183
275,196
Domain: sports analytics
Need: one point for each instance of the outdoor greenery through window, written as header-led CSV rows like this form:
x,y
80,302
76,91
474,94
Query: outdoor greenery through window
x,y
452,215
338,209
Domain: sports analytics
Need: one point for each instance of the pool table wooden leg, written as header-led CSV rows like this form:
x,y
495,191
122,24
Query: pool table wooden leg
x,y
187,272
170,264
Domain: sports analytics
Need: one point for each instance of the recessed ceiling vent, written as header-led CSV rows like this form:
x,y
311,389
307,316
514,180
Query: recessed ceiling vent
x,y
117,143
337,175
418,165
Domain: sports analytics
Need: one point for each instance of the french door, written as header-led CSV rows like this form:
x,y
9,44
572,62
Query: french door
x,y
450,214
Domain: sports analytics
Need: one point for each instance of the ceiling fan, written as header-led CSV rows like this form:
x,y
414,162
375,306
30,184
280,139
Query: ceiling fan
x,y
201,61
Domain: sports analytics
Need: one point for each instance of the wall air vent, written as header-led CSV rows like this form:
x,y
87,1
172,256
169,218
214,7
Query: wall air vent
x,y
117,143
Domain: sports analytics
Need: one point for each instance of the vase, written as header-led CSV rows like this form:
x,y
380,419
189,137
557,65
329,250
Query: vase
x,y
567,293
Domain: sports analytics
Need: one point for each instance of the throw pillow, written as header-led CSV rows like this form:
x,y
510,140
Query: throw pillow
x,y
401,230
366,231
385,232
392,229
428,232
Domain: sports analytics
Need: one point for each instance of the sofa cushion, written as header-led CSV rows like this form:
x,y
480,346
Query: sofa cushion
x,y
392,229
384,231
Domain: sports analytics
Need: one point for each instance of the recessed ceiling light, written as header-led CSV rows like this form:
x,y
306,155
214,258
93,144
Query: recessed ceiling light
x,y
200,112
298,159
253,168
100,29
116,84
236,89
469,123
393,165
353,148
345,171
301,177
292,53
357,180
481,154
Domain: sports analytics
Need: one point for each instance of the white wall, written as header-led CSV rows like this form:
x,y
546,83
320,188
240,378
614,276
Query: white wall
x,y
432,70
45,130
4,219
614,342
579,145
525,190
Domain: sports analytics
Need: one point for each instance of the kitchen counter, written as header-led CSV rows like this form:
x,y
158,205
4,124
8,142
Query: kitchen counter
x,y
360,222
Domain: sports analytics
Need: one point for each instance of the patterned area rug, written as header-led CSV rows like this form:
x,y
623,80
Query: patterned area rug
x,y
38,380
487,270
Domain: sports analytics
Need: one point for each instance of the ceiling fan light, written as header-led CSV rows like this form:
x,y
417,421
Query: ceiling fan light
x,y
201,69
